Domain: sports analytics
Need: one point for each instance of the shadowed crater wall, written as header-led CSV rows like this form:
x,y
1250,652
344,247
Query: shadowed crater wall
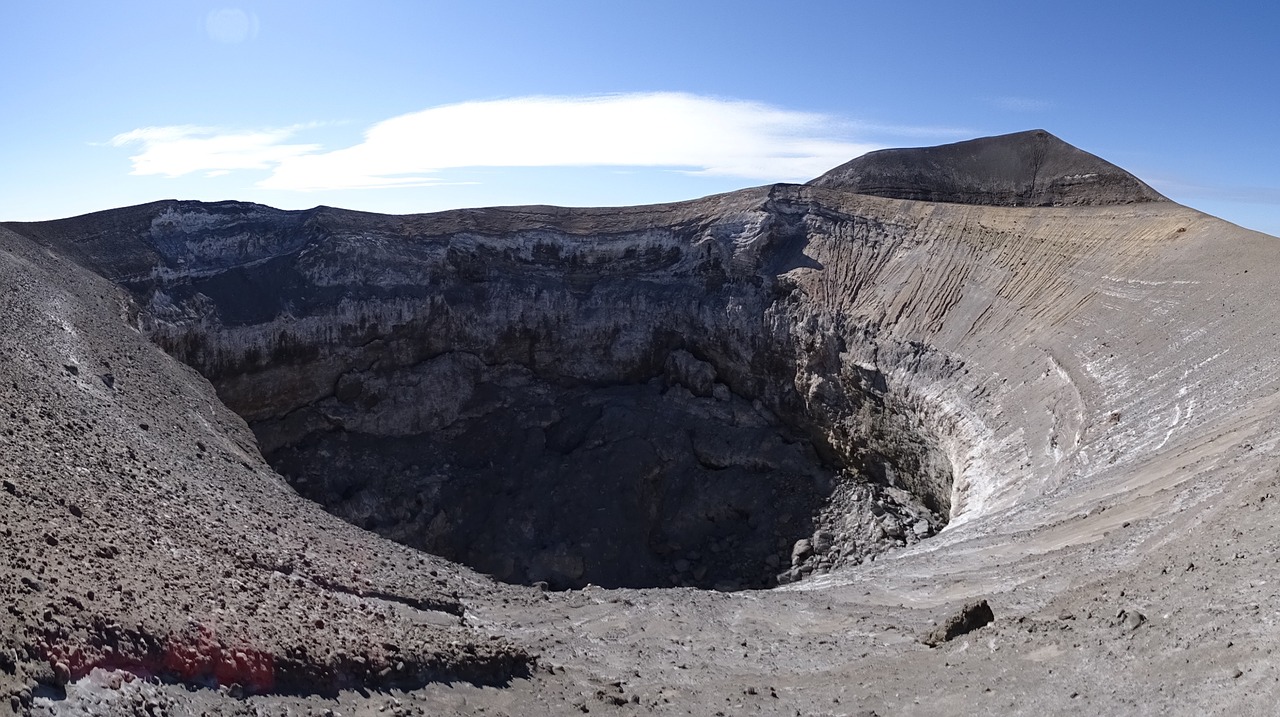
x,y
628,397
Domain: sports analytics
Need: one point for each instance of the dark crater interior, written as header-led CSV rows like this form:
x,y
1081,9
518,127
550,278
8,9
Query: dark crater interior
x,y
549,396
674,481
633,485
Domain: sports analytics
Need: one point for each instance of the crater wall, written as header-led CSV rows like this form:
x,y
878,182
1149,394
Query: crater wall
x,y
559,395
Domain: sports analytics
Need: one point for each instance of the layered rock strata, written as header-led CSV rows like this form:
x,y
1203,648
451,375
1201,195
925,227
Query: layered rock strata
x,y
631,398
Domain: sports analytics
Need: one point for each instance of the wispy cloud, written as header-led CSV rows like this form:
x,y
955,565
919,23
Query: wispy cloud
x,y
676,131
695,134
1022,104
184,149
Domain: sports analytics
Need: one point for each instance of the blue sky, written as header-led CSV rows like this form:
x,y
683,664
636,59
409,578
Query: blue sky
x,y
424,105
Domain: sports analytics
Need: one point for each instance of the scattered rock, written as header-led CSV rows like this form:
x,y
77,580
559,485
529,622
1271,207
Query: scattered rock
x,y
822,541
891,526
1129,620
972,616
801,551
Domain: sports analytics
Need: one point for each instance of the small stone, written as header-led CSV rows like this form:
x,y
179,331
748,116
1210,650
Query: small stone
x,y
1134,620
801,551
921,528
970,617
822,541
891,526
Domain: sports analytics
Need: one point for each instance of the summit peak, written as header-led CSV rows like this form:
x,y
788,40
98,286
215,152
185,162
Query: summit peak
x,y
1030,168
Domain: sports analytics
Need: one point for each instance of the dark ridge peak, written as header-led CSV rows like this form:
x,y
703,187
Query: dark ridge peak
x,y
149,210
117,243
1032,168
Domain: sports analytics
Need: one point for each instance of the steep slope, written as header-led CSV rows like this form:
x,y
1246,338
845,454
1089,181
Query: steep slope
x,y
1072,371
144,532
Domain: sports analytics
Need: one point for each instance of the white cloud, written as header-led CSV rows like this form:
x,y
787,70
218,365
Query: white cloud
x,y
675,131
175,151
696,134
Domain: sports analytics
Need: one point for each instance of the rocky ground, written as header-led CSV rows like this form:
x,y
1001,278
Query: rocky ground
x,y
791,450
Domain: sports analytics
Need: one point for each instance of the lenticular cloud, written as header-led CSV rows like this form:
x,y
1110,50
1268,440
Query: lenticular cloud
x,y
685,132
179,150
681,132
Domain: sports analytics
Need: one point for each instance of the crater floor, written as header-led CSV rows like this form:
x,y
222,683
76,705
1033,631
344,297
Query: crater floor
x,y
735,455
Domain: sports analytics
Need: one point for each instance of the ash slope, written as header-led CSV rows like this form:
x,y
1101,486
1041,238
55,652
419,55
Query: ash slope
x,y
144,532
1097,379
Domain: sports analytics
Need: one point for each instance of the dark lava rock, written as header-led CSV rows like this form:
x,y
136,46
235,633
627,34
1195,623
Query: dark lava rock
x,y
972,616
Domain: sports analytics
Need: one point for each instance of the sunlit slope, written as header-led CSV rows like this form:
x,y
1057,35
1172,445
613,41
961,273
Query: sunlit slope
x,y
1097,356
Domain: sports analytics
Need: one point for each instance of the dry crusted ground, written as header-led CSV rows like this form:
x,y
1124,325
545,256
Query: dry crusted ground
x,y
1115,434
